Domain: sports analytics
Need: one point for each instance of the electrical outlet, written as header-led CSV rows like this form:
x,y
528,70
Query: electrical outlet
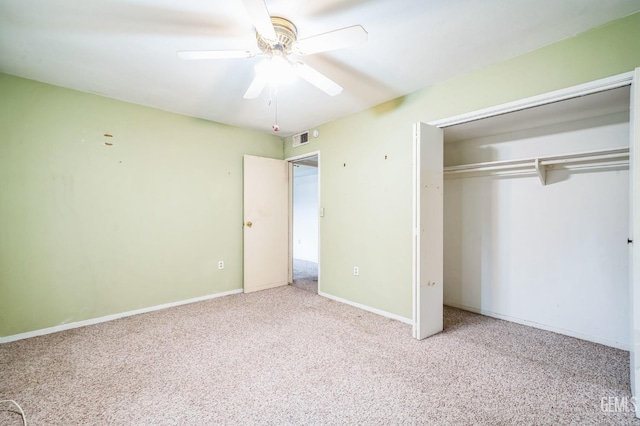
x,y
221,264
356,271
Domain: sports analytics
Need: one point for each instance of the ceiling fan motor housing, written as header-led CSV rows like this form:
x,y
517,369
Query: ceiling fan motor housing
x,y
286,34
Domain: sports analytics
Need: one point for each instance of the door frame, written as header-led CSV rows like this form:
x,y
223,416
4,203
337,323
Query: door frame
x,y
292,160
613,82
601,85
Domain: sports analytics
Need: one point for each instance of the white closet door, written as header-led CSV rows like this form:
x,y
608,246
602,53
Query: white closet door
x,y
428,250
634,273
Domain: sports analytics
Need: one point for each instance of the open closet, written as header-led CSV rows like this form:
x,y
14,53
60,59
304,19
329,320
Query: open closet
x,y
536,216
527,211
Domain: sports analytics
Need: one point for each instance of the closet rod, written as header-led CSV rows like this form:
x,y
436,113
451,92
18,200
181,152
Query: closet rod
x,y
473,168
582,160
589,156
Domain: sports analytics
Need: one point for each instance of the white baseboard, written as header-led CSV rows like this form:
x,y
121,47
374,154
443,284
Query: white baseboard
x,y
578,335
92,321
367,308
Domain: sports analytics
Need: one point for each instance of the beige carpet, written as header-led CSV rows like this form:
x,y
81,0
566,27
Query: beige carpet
x,y
287,356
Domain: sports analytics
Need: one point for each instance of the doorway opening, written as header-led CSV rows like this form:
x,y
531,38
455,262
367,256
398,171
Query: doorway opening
x,y
304,223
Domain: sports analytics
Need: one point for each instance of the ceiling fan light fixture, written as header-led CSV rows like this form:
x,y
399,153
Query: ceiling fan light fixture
x,y
276,70
277,39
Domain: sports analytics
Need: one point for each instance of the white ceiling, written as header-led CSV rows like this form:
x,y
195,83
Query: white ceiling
x,y
126,49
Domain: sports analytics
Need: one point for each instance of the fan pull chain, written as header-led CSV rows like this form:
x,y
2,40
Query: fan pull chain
x,y
273,95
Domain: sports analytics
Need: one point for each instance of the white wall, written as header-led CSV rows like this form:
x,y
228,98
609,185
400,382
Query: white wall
x,y
305,213
551,256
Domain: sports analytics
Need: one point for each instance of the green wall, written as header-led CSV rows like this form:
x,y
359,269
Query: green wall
x,y
88,230
368,199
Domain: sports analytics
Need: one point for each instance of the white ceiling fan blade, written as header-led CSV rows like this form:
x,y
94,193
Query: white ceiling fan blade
x,y
338,39
215,54
257,85
319,80
259,14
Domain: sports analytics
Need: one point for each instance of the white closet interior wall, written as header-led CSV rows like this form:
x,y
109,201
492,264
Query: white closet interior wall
x,y
553,256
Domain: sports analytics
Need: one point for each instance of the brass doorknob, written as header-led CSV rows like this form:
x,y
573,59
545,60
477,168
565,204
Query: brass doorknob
x,y
249,224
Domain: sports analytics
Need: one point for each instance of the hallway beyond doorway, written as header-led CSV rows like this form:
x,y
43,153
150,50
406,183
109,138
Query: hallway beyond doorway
x,y
305,275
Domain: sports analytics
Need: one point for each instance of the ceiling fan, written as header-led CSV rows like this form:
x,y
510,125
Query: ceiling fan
x,y
277,38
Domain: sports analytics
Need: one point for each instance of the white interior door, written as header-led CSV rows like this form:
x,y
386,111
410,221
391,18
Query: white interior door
x,y
428,225
266,223
634,273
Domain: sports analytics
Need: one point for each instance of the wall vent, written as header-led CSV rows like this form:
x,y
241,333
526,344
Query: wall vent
x,y
300,139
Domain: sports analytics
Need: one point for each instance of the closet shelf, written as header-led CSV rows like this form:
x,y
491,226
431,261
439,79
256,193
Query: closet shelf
x,y
605,158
